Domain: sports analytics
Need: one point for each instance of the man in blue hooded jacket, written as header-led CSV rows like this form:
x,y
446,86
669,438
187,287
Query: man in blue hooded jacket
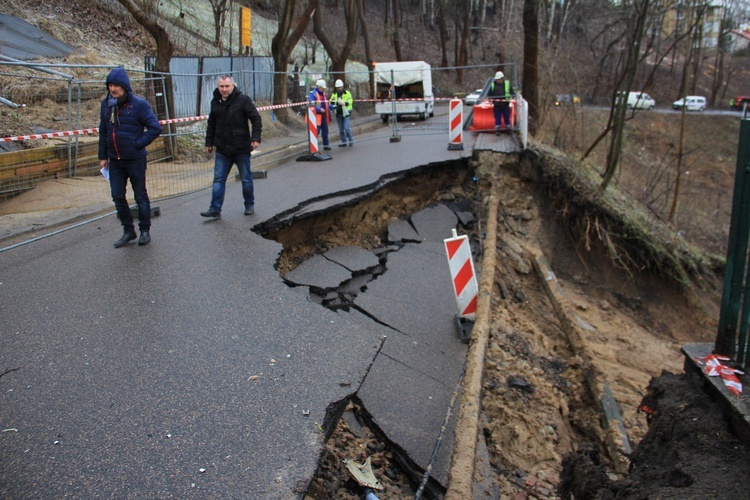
x,y
126,127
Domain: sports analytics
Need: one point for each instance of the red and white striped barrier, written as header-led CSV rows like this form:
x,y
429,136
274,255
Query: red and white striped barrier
x,y
456,125
312,130
463,275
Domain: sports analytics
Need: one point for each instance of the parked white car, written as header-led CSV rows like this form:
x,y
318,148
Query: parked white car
x,y
637,100
691,103
473,98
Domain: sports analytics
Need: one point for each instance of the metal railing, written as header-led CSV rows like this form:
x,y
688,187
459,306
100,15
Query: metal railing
x,y
734,320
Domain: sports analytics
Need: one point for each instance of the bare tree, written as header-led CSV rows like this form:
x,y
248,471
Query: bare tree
x,y
338,57
443,29
289,33
639,17
462,55
219,9
164,51
366,38
395,29
531,60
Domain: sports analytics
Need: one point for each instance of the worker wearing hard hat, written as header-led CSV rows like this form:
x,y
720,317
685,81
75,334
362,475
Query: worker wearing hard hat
x,y
501,92
341,103
322,110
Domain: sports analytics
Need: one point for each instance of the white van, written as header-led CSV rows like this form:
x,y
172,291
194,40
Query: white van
x,y
404,88
637,100
691,103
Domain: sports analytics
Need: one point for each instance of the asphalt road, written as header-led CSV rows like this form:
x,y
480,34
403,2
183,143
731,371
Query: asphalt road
x,y
188,369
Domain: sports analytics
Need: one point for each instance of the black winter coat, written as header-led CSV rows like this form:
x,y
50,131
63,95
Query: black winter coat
x,y
228,128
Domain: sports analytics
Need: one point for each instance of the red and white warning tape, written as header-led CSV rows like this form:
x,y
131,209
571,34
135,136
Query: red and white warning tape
x,y
93,131
714,367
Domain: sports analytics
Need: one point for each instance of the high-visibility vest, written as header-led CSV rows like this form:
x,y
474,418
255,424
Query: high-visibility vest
x,y
507,89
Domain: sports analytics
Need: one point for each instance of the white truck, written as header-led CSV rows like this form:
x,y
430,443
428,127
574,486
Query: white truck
x,y
404,88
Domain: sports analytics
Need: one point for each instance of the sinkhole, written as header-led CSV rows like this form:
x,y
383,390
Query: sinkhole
x,y
341,248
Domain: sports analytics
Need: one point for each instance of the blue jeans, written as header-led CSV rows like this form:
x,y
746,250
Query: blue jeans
x,y
344,128
222,166
119,173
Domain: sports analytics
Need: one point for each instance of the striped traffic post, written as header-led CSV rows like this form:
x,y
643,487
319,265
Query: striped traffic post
x,y
312,130
455,124
463,276
312,134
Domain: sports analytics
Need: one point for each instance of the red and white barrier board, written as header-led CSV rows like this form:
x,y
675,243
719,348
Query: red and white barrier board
x,y
463,274
456,125
312,130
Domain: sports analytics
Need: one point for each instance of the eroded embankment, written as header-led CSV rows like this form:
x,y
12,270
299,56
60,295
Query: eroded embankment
x,y
542,385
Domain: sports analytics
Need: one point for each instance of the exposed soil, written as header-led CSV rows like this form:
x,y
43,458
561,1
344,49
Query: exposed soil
x,y
537,408
689,451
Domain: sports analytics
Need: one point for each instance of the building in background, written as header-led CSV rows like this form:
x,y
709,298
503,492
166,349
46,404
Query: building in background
x,y
679,16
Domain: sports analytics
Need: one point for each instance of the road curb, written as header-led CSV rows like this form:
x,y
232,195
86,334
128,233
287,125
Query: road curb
x,y
274,157
461,473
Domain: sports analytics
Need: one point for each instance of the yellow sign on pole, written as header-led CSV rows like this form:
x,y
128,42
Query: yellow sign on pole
x,y
246,27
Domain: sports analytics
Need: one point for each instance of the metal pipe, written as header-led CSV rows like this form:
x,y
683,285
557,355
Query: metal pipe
x,y
36,66
12,104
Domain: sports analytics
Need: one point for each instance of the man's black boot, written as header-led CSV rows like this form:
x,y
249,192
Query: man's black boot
x,y
126,237
145,238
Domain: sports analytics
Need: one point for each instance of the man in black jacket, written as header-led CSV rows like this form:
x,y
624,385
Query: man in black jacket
x,y
229,133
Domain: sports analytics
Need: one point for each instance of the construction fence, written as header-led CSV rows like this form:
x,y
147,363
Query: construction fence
x,y
49,173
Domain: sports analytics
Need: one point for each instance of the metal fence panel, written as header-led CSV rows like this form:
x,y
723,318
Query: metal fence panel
x,y
185,79
731,339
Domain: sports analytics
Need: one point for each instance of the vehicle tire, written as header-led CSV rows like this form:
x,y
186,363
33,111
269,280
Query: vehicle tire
x,y
702,109
650,108
384,118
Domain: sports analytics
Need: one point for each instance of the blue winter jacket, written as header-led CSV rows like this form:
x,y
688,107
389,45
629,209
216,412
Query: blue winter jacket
x,y
134,126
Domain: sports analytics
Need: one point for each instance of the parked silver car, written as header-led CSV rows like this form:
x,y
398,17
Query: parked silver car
x,y
473,98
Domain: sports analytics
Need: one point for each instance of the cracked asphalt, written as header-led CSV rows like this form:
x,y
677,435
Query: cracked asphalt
x,y
188,368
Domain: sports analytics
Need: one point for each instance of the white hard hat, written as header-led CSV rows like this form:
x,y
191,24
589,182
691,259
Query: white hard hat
x,y
321,83
499,75
339,83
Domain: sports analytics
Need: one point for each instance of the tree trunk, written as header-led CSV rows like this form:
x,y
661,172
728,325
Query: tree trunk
x,y
395,37
283,43
366,38
550,22
640,11
462,48
164,50
531,60
338,58
218,8
443,29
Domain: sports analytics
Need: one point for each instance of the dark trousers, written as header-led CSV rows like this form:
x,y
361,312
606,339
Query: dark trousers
x,y
323,130
502,110
119,173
